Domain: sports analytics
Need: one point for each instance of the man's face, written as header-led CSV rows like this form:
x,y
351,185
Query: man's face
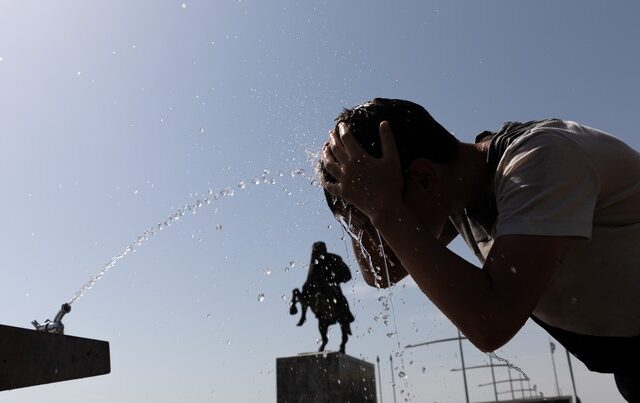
x,y
425,203
355,220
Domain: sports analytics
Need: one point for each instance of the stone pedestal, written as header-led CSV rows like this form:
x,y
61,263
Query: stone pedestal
x,y
30,357
325,377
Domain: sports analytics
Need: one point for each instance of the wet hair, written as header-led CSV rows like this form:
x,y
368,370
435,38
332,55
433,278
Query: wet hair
x,y
417,134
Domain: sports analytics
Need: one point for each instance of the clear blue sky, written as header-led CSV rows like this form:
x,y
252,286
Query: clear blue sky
x,y
116,113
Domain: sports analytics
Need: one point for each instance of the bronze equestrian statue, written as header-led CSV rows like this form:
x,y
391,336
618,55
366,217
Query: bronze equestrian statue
x,y
321,292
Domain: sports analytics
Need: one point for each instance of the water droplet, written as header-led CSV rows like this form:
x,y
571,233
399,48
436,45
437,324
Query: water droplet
x,y
255,181
228,342
184,5
402,375
329,226
202,130
267,271
370,330
242,185
260,297
219,227
292,264
513,270
208,316
424,369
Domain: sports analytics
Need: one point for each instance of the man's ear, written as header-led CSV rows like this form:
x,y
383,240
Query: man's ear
x,y
423,172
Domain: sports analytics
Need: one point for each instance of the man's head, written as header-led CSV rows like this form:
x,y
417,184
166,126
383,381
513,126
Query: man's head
x,y
417,136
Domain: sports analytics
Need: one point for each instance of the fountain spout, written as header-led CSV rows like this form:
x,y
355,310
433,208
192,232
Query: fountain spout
x,y
55,325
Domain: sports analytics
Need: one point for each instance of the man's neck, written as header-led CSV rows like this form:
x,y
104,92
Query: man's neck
x,y
469,174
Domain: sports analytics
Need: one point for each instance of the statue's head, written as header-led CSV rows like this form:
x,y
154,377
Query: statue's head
x,y
319,248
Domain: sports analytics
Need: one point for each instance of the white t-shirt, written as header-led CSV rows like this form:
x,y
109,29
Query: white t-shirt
x,y
565,179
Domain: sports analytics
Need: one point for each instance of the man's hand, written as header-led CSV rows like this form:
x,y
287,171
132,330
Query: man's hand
x,y
372,185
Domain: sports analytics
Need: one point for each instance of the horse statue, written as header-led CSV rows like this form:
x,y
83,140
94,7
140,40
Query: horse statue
x,y
321,292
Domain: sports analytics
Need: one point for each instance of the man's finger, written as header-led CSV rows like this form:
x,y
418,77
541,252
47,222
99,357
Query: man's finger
x,y
327,155
337,148
331,165
350,144
387,141
334,169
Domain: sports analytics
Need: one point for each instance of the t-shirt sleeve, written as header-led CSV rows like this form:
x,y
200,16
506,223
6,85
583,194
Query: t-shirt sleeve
x,y
546,185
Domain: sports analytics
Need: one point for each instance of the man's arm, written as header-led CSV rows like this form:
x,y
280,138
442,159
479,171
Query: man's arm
x,y
490,305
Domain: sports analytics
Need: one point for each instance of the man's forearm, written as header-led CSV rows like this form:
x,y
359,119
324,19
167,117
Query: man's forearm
x,y
463,292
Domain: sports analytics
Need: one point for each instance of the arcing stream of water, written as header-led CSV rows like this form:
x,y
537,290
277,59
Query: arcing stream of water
x,y
265,178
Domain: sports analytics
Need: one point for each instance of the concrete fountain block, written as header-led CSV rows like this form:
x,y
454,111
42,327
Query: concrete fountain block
x,y
30,357
325,377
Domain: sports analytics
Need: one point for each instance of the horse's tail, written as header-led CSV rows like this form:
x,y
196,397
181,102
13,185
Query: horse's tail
x,y
295,298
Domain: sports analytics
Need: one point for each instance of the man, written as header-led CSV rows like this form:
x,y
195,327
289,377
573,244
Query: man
x,y
551,208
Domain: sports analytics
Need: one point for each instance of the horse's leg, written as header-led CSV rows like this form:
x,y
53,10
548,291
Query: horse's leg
x,y
294,299
303,308
346,331
324,327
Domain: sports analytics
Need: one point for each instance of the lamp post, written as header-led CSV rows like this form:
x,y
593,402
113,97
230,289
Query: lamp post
x,y
573,381
393,379
552,347
379,377
464,372
513,397
493,377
